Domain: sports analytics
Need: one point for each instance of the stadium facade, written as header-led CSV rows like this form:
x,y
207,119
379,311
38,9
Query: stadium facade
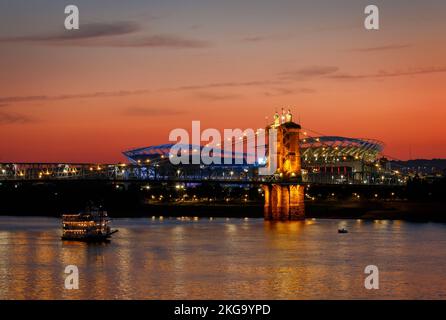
x,y
325,159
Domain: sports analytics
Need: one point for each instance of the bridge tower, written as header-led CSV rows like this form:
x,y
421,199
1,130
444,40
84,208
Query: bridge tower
x,y
284,195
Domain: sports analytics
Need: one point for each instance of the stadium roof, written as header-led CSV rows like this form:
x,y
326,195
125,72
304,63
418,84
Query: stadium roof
x,y
311,147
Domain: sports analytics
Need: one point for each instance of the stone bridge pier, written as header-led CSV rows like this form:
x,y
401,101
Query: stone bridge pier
x,y
284,202
284,194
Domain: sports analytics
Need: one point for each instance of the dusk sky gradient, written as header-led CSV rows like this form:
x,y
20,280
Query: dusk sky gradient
x,y
138,69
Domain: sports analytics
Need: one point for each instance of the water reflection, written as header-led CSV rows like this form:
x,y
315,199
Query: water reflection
x,y
224,259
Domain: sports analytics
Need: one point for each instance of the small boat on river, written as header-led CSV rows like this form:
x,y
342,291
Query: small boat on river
x,y
91,225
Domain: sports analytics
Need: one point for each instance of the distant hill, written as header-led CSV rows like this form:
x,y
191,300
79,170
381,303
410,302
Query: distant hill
x,y
422,165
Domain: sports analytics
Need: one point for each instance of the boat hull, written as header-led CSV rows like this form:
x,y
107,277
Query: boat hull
x,y
91,238
105,238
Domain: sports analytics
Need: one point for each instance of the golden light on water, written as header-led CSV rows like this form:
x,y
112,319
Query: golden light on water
x,y
245,259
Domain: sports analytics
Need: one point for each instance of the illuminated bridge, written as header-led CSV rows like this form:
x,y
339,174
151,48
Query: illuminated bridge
x,y
277,159
325,160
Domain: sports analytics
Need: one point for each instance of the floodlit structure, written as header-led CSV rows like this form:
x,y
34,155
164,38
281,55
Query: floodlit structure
x,y
324,159
334,159
284,195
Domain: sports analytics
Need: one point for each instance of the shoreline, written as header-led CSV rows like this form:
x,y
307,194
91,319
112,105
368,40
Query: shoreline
x,y
414,211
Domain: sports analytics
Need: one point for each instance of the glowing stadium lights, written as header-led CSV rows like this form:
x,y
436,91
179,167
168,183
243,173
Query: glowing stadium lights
x,y
320,152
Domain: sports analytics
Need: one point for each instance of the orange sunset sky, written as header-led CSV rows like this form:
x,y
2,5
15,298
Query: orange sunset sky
x,y
135,70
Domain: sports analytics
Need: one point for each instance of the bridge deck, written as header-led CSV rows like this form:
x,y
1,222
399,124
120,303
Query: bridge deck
x,y
153,172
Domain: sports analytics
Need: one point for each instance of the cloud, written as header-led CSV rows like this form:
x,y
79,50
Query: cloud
x,y
101,94
255,38
151,112
226,85
387,74
265,37
309,72
108,35
14,99
332,28
86,31
331,72
14,118
217,96
122,93
161,41
7,100
383,48
287,91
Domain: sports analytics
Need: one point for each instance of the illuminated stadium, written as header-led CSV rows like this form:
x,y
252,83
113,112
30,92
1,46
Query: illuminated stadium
x,y
332,148
334,159
325,159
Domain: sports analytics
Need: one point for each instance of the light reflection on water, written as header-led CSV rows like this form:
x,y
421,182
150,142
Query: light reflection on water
x,y
225,259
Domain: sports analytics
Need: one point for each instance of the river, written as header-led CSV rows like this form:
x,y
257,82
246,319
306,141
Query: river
x,y
225,259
